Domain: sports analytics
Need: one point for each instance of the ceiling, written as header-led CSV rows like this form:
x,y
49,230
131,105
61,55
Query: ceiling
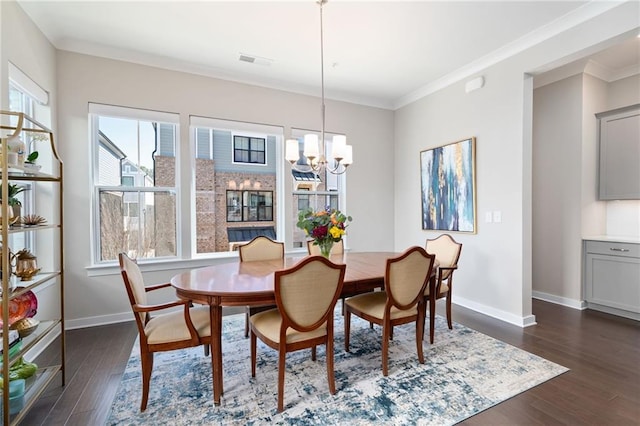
x,y
379,53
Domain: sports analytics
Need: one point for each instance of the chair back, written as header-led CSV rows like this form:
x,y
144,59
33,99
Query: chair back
x,y
447,251
306,293
314,250
261,248
407,276
134,284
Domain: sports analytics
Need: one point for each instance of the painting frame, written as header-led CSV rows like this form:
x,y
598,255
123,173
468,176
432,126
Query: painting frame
x,y
448,187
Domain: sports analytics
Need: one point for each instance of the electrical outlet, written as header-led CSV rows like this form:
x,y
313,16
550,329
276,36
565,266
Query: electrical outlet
x,y
488,217
497,216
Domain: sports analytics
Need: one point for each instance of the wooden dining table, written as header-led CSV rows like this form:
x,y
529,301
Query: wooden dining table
x,y
252,284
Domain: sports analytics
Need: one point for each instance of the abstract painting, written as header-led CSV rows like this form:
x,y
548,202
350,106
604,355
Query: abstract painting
x,y
448,187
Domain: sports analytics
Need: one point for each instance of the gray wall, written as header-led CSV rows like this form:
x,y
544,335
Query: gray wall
x,y
85,79
383,185
496,268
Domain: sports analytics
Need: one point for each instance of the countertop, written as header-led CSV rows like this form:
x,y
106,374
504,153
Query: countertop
x,y
613,239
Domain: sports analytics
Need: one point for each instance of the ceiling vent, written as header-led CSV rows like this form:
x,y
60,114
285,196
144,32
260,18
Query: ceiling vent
x,y
253,59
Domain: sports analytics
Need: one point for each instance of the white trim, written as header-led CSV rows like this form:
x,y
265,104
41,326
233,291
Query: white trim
x,y
134,113
505,316
559,300
26,85
99,320
235,126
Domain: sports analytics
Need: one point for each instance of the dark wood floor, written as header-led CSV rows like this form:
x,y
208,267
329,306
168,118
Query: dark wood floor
x,y
602,388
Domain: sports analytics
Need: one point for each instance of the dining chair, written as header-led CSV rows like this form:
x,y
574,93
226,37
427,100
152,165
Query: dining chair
x,y
401,302
314,250
260,248
447,252
306,295
160,332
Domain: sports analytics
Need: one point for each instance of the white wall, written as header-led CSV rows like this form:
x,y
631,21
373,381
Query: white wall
x,y
22,44
557,187
495,265
83,79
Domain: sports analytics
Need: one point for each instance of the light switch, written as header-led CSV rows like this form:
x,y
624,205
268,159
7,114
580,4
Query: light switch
x,y
488,217
497,216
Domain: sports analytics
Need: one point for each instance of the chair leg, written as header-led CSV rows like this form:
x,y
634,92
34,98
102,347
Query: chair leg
x,y
313,353
330,374
253,354
207,348
385,348
449,310
246,322
391,333
347,329
146,359
282,353
420,334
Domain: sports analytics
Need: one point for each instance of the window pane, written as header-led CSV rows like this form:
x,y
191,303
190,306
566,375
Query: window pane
x,y
138,223
238,195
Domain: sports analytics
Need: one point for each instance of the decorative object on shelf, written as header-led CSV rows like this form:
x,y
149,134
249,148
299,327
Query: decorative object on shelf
x,y
26,265
315,152
325,227
25,326
30,163
23,306
447,175
13,201
17,146
33,220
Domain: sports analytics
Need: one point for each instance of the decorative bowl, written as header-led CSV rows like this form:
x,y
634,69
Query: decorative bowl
x,y
25,326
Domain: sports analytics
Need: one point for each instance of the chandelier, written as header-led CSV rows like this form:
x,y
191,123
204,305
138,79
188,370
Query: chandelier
x,y
315,151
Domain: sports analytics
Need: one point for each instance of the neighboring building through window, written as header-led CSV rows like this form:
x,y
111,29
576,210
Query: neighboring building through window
x,y
249,150
135,182
235,181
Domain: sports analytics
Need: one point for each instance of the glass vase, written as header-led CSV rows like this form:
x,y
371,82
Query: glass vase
x,y
325,247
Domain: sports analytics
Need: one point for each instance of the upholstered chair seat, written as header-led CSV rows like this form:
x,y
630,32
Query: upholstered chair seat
x,y
171,327
159,328
401,302
306,296
447,252
260,248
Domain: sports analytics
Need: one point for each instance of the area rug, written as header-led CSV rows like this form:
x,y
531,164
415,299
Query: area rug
x,y
465,372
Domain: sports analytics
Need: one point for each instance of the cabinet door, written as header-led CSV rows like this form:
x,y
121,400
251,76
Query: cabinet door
x,y
613,281
620,155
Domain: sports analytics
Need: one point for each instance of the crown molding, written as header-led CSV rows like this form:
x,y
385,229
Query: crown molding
x,y
568,21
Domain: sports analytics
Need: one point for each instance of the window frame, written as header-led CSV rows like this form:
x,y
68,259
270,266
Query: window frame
x,y
142,115
250,137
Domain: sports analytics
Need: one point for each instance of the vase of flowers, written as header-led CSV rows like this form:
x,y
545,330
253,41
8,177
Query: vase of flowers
x,y
325,227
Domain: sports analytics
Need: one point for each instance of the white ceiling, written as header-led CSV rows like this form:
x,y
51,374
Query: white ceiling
x,y
380,53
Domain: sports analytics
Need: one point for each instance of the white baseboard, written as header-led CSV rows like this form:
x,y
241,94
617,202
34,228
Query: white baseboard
x,y
99,320
559,300
526,321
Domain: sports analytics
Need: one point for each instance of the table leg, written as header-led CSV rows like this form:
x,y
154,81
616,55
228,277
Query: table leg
x,y
432,308
216,351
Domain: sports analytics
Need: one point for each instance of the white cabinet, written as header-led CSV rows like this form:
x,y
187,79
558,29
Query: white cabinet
x,y
43,283
612,277
619,144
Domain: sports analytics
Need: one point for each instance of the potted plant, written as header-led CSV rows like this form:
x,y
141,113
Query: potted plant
x,y
13,201
30,162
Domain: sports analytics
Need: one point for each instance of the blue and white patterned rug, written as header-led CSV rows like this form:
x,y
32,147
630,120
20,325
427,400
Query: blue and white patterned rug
x,y
465,372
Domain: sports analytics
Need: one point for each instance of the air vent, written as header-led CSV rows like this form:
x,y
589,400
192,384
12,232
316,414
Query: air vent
x,y
245,58
253,59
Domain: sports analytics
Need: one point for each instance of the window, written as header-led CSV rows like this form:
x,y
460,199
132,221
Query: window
x,y
249,150
26,96
313,190
249,206
236,181
135,182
